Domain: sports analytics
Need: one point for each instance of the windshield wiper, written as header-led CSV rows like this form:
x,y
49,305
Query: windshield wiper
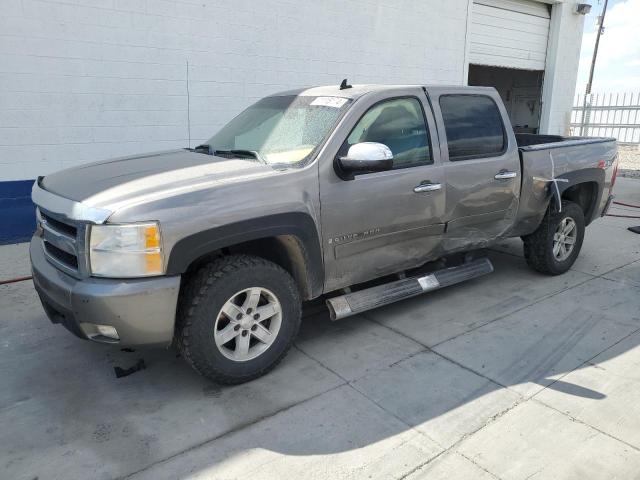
x,y
239,154
204,148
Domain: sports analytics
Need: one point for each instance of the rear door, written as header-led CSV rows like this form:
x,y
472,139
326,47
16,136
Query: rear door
x,y
482,166
383,222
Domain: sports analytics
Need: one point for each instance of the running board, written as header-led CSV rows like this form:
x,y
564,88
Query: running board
x,y
363,300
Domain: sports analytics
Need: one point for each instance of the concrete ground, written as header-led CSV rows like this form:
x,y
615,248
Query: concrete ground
x,y
511,376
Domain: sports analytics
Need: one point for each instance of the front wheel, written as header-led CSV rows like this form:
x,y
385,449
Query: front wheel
x,y
555,245
238,318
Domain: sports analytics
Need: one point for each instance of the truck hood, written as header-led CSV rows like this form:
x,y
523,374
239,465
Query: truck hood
x,y
114,184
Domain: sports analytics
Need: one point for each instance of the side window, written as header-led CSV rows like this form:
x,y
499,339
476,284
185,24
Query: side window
x,y
474,126
400,125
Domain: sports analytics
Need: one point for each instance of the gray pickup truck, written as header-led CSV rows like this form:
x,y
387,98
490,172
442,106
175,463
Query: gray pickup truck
x,y
364,195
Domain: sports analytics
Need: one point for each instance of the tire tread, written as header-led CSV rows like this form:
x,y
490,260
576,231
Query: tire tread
x,y
536,244
194,293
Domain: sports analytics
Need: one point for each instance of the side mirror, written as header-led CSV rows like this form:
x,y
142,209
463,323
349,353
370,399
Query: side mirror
x,y
366,157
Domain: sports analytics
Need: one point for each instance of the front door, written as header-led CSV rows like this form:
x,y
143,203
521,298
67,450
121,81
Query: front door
x,y
384,222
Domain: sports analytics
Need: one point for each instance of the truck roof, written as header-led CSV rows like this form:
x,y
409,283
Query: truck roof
x,y
357,91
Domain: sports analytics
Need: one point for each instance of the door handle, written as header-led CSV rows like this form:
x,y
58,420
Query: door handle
x,y
427,187
505,175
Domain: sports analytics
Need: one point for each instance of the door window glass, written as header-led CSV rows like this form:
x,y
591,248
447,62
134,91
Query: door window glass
x,y
473,125
400,125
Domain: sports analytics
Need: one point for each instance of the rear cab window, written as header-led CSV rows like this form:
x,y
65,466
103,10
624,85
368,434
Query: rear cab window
x,y
473,125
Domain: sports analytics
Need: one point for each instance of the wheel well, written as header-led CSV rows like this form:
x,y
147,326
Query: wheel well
x,y
286,251
583,194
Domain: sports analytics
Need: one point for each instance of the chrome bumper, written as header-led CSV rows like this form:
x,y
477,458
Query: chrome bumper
x,y
142,311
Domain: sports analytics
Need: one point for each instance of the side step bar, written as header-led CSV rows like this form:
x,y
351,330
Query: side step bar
x,y
352,303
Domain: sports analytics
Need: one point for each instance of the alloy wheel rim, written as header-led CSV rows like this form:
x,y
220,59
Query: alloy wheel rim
x,y
248,324
564,239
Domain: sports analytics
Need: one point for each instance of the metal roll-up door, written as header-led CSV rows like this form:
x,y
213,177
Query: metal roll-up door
x,y
509,33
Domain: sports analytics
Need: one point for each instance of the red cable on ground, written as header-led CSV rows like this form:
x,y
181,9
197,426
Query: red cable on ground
x,y
14,280
627,204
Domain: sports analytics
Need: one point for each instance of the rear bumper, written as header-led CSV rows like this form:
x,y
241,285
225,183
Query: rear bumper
x,y
142,311
607,205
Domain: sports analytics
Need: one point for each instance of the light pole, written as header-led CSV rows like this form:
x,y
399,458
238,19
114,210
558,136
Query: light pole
x,y
595,49
586,106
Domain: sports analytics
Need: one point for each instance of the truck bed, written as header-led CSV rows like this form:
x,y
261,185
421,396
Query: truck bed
x,y
578,159
530,141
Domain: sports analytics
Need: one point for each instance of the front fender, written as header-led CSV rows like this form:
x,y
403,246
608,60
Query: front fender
x,y
298,224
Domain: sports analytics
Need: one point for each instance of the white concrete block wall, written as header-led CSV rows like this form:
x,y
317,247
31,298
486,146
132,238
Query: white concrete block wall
x,y
90,79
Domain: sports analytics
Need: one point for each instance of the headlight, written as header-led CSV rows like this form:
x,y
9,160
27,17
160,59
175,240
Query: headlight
x,y
120,251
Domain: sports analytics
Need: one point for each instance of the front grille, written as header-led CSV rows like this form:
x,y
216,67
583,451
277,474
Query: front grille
x,y
70,230
67,258
63,242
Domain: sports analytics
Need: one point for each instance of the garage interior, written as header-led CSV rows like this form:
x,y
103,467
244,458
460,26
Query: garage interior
x,y
508,48
521,92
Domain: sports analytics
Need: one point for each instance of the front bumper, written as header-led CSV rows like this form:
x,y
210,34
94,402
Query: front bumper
x,y
142,311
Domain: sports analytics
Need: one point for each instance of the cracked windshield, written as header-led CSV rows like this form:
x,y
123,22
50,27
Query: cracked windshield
x,y
283,130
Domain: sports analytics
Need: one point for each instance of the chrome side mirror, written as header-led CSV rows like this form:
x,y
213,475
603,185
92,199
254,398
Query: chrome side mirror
x,y
366,157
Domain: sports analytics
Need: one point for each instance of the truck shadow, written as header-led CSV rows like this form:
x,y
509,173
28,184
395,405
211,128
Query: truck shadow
x,y
425,396
575,390
448,390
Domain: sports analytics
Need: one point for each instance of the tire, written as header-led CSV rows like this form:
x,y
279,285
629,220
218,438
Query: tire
x,y
539,246
201,321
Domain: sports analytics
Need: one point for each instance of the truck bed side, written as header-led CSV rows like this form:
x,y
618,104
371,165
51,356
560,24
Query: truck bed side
x,y
587,163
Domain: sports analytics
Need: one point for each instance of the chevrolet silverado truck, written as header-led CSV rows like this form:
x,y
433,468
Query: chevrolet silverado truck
x,y
335,192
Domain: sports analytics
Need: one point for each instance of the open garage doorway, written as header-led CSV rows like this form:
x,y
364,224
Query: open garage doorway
x,y
521,92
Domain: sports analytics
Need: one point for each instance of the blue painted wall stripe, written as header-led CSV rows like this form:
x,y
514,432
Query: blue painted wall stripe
x,y
17,212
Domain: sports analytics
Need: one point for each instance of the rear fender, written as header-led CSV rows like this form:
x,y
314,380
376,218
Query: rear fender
x,y
537,195
595,176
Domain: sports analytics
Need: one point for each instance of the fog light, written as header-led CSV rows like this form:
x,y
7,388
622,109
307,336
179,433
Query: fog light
x,y
100,333
107,331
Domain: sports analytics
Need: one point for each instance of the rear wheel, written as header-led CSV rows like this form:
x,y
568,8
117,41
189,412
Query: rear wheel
x,y
555,245
238,318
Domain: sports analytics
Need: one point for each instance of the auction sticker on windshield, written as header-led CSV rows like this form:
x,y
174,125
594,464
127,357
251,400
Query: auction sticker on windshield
x,y
334,102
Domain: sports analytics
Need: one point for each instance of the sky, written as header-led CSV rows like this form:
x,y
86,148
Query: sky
x,y
618,63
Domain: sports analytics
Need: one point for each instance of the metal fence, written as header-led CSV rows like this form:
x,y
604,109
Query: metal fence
x,y
607,115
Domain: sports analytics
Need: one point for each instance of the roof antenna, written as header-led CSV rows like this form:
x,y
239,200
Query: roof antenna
x,y
344,85
188,107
